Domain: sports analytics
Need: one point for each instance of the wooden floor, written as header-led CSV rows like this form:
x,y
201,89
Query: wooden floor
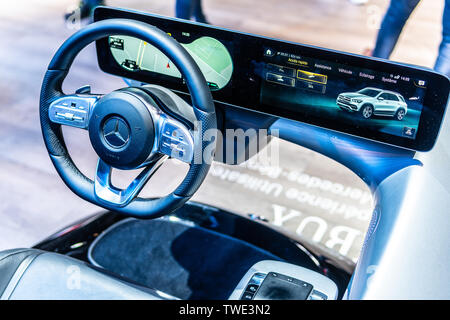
x,y
335,24
33,200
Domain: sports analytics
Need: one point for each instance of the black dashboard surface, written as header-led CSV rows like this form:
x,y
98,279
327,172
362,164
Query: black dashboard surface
x,y
322,87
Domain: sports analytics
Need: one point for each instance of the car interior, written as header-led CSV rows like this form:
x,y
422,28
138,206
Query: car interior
x,y
188,83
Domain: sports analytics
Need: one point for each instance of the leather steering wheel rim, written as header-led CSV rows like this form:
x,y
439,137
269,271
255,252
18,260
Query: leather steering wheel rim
x,y
202,103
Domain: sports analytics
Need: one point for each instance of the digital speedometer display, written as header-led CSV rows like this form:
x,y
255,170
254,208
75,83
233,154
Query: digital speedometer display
x,y
380,100
211,55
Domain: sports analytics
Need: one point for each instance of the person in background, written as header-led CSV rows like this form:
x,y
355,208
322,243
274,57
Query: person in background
x,y
184,9
85,7
392,25
187,9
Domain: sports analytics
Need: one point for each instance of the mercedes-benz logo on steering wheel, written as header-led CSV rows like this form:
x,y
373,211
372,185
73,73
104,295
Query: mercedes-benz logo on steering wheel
x,y
116,132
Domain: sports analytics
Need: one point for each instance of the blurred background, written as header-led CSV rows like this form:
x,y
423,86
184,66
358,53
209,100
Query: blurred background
x,y
34,202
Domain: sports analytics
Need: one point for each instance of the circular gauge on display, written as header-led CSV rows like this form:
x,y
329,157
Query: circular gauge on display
x,y
210,54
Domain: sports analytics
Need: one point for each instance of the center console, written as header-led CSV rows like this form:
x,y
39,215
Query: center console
x,y
275,280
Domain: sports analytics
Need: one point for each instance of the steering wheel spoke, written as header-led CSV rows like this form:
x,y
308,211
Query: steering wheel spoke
x,y
72,110
109,194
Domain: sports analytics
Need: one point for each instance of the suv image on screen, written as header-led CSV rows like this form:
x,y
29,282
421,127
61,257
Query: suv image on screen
x,y
373,101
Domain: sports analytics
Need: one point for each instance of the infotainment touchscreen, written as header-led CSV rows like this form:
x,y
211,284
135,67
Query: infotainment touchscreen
x,y
379,100
388,102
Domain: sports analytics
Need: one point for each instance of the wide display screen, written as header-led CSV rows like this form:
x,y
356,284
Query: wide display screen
x,y
210,54
383,101
387,102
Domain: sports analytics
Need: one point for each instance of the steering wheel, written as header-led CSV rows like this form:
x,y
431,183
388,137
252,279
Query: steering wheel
x,y
131,127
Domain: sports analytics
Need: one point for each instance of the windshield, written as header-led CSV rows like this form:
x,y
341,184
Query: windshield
x,y
369,92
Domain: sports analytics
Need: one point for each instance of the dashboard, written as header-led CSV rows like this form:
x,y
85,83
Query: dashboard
x,y
387,102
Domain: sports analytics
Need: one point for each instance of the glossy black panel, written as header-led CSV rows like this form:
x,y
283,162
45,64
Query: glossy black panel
x,y
76,239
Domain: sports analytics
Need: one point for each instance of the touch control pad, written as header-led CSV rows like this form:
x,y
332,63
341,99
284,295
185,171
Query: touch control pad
x,y
176,141
274,280
72,110
276,286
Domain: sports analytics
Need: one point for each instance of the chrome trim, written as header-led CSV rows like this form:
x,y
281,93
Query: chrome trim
x,y
15,279
94,243
317,295
105,192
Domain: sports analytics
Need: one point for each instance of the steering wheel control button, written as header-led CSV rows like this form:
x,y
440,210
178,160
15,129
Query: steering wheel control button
x,y
252,288
116,132
72,110
247,295
176,141
121,129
